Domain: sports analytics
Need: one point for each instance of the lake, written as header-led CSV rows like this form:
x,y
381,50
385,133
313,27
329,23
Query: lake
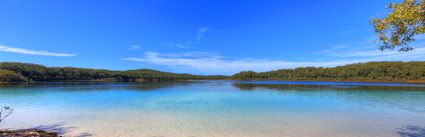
x,y
219,108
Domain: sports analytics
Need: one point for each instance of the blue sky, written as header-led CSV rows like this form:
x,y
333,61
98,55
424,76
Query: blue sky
x,y
198,37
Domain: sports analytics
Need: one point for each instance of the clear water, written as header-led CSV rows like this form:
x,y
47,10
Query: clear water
x,y
219,108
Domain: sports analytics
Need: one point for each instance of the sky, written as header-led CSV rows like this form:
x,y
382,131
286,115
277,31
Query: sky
x,y
198,37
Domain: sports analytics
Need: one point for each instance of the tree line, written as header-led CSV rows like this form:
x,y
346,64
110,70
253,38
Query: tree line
x,y
371,71
26,72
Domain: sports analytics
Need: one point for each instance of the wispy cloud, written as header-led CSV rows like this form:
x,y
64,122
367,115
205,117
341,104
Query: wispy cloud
x,y
134,47
201,32
348,31
368,49
33,52
209,63
212,63
184,45
217,64
375,55
420,37
189,43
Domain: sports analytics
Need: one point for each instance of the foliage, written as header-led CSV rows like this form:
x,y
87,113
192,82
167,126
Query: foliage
x,y
248,75
372,71
5,112
10,76
398,28
34,72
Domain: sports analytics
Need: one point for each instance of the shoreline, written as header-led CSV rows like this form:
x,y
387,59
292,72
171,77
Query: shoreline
x,y
84,81
365,81
27,133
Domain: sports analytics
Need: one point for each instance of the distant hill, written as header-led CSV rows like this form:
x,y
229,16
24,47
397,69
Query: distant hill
x,y
26,72
371,71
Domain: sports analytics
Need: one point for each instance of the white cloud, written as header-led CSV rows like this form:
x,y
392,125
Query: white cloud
x,y
420,37
348,31
217,64
33,52
203,29
369,50
134,47
189,43
209,63
201,32
185,45
342,54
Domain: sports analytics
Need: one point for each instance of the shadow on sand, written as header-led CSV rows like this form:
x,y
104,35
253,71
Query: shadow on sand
x,y
60,129
411,131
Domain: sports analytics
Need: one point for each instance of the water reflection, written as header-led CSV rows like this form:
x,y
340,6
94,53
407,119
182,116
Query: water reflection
x,y
218,108
91,86
320,86
412,131
404,97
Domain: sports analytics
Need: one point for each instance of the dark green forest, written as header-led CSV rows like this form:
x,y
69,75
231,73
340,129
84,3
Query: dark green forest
x,y
371,71
25,72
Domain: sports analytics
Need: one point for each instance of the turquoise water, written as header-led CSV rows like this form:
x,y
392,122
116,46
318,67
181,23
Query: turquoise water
x,y
219,108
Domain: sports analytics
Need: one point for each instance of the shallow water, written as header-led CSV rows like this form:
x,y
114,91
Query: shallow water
x,y
219,108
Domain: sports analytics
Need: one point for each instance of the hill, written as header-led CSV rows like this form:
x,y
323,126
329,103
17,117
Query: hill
x,y
371,71
26,72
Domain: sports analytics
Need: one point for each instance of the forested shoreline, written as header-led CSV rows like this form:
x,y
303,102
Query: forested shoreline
x,y
25,72
367,72
372,71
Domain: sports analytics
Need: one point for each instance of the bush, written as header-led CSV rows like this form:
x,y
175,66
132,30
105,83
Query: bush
x,y
10,76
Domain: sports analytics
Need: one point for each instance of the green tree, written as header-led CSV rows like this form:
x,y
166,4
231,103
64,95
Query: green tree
x,y
10,76
25,72
404,21
372,71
